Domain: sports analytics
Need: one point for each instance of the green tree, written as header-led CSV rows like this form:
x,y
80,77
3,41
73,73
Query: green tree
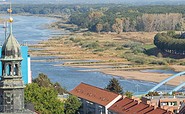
x,y
45,100
72,104
43,81
59,89
171,33
153,94
114,86
128,94
99,27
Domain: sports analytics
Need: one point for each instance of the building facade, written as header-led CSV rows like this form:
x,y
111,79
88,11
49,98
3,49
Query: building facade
x,y
170,103
94,100
99,101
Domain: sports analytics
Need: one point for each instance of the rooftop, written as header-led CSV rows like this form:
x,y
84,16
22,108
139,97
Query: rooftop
x,y
165,97
130,106
94,94
117,107
135,109
157,111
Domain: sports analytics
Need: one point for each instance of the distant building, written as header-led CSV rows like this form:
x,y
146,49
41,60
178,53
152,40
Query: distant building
x,y
170,103
94,100
99,101
131,106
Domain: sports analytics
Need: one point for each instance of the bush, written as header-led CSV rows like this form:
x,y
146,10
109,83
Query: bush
x,y
76,40
92,45
132,44
110,44
137,49
171,33
159,55
183,63
87,34
99,50
158,62
119,48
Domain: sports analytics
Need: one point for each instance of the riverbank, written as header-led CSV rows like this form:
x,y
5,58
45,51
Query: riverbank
x,y
105,51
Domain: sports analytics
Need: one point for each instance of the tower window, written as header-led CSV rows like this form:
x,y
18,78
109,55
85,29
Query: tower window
x,y
8,70
16,69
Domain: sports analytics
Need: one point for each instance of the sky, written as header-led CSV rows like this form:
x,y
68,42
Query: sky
x,y
140,2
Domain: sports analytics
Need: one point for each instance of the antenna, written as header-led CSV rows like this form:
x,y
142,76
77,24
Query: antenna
x,y
5,28
10,17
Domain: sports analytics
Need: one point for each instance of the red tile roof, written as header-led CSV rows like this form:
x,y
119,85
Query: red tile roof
x,y
182,110
146,110
157,111
129,105
170,113
117,107
135,109
94,94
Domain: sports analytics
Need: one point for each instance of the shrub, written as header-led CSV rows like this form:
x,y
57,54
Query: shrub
x,y
158,62
87,34
132,44
99,50
110,44
159,55
119,48
92,45
76,40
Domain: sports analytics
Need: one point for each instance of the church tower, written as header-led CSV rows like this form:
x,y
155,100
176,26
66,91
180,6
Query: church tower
x,y
11,83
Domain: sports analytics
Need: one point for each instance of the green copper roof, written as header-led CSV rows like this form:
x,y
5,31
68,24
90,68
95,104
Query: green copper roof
x,y
11,48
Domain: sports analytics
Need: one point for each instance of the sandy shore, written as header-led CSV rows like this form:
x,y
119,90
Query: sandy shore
x,y
137,73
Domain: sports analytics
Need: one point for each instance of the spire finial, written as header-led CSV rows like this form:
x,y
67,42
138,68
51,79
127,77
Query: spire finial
x,y
10,17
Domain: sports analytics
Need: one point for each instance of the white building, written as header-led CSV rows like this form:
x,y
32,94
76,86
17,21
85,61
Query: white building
x,y
94,100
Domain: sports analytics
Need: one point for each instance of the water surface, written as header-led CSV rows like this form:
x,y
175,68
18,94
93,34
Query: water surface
x,y
31,29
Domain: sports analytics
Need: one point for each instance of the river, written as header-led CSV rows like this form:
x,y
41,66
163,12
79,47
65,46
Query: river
x,y
32,29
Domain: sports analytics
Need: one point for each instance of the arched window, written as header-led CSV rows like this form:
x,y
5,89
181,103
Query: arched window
x,y
8,70
16,69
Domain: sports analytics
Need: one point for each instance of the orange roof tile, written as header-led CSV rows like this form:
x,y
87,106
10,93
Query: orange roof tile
x,y
94,94
182,110
117,107
157,111
146,110
129,105
135,109
169,113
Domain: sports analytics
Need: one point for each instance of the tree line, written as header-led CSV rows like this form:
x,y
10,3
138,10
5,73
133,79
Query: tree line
x,y
171,43
114,17
107,21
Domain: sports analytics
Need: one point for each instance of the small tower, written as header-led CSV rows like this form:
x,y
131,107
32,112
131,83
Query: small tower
x,y
11,83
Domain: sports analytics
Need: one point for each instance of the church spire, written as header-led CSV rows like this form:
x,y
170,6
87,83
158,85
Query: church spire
x,y
11,47
10,17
